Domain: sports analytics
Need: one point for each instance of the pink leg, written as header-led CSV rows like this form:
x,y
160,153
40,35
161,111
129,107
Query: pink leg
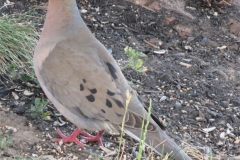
x,y
71,138
97,138
75,133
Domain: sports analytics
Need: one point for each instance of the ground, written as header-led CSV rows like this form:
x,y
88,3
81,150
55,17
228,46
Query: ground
x,y
193,79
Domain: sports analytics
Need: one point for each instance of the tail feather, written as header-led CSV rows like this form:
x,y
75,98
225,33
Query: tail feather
x,y
161,143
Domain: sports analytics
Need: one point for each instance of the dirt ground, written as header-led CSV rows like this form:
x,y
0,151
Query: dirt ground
x,y
193,79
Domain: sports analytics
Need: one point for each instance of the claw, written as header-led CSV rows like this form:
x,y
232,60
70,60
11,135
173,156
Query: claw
x,y
95,138
75,133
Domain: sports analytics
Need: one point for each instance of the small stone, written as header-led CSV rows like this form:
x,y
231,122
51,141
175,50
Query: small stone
x,y
225,104
35,155
222,136
190,39
207,150
209,129
178,104
231,135
15,96
200,119
211,120
83,11
30,84
215,14
27,93
188,48
90,156
160,51
163,98
237,140
220,143
11,128
229,110
20,109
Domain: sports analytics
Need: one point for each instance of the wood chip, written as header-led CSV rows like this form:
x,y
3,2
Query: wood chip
x,y
185,64
150,44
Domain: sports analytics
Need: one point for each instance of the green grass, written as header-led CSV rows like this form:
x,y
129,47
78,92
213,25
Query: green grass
x,y
5,142
39,110
18,38
123,123
134,60
144,132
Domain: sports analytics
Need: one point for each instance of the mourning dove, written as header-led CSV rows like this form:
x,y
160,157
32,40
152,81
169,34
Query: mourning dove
x,y
84,82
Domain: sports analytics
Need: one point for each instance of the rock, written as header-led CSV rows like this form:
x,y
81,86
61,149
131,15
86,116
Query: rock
x,y
235,27
225,104
169,20
220,143
222,136
15,96
19,109
178,104
27,93
184,31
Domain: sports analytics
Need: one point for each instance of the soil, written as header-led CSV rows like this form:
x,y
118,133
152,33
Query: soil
x,y
193,79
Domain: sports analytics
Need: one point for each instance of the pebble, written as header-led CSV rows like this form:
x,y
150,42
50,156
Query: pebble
x,y
211,120
160,51
222,136
27,93
20,109
163,98
188,48
225,104
178,104
209,129
189,39
83,11
220,143
15,96
11,128
200,119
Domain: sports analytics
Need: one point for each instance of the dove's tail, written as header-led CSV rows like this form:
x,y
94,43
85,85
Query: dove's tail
x,y
161,143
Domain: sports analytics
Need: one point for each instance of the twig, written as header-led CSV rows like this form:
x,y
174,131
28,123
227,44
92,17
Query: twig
x,y
143,6
223,2
185,64
150,44
6,5
124,28
123,146
152,91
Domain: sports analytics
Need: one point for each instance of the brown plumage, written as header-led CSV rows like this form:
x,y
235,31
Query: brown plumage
x,y
85,83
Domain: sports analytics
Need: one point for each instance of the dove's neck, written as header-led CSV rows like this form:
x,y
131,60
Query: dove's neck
x,y
63,18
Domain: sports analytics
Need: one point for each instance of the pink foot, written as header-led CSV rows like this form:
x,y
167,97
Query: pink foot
x,y
71,138
75,133
91,138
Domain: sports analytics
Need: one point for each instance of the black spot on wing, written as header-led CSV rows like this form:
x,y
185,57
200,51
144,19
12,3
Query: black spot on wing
x,y
119,103
108,103
84,81
110,93
93,91
112,70
81,87
103,110
90,98
119,115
